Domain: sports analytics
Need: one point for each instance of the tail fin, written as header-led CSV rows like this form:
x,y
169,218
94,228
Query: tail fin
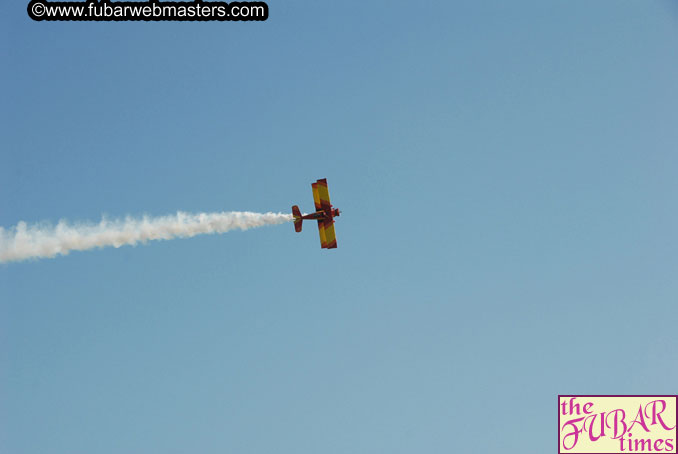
x,y
297,218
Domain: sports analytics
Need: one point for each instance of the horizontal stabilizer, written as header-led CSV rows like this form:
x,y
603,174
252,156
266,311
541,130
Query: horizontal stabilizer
x,y
297,218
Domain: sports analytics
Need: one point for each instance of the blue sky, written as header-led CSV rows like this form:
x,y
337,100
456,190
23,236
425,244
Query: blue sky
x,y
507,175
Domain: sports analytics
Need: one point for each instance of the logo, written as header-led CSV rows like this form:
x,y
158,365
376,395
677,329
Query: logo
x,y
617,424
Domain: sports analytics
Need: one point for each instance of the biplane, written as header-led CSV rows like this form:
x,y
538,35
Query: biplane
x,y
324,214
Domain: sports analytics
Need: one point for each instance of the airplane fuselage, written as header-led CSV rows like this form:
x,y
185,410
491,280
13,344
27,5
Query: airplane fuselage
x,y
322,214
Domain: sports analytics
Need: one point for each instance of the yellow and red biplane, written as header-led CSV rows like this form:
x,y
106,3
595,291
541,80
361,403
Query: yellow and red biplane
x,y
324,214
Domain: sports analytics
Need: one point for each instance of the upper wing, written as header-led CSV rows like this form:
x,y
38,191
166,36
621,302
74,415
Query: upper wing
x,y
324,194
316,197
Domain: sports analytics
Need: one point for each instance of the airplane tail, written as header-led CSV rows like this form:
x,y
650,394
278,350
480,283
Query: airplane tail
x,y
297,218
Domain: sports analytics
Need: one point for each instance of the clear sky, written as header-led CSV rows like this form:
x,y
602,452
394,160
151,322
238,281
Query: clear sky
x,y
507,175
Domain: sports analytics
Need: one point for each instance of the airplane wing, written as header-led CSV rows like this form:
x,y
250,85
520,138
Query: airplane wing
x,y
324,194
328,239
316,196
321,232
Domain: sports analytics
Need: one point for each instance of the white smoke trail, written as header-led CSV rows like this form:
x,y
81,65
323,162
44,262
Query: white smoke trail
x,y
39,241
